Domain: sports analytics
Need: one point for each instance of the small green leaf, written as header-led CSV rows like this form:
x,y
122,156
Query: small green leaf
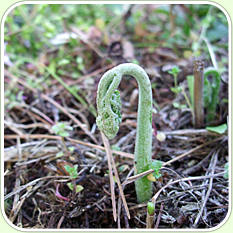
x,y
71,148
68,168
156,165
72,171
61,129
64,134
123,167
115,147
79,188
176,105
68,127
174,71
218,129
176,90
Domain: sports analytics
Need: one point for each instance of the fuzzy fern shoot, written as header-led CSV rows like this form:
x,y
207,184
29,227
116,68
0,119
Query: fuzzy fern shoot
x,y
109,118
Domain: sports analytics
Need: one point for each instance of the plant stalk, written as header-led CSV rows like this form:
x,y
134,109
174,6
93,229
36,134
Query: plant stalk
x,y
198,94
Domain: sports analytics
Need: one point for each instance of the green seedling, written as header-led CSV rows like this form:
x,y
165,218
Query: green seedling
x,y
109,118
150,208
175,71
150,215
73,172
62,129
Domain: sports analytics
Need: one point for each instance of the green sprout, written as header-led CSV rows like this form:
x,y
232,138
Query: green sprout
x,y
175,71
73,172
62,129
150,215
150,208
109,118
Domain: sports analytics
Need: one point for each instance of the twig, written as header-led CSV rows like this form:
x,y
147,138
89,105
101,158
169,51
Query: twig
x,y
159,215
28,126
60,222
212,169
16,202
192,150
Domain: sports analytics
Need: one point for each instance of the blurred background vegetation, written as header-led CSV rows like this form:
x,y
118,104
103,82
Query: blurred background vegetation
x,y
67,41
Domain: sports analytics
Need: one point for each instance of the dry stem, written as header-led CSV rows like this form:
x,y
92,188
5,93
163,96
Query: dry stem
x,y
198,94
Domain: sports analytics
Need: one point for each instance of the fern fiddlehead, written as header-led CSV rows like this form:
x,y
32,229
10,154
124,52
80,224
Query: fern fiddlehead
x,y
109,118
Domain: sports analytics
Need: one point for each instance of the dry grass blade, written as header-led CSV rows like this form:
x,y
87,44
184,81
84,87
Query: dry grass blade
x,y
53,137
120,187
111,160
108,153
17,202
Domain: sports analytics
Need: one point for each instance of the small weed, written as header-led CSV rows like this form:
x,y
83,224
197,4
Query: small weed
x,y
73,171
62,129
175,71
156,165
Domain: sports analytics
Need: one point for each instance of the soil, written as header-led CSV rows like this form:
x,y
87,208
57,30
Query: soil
x,y
37,194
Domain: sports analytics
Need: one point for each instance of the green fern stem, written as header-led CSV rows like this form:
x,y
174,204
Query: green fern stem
x,y
109,118
211,92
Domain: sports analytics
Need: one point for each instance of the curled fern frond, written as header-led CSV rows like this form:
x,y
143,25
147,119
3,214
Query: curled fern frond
x,y
109,118
109,115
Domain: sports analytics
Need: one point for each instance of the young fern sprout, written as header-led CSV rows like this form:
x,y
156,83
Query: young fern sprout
x,y
109,118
